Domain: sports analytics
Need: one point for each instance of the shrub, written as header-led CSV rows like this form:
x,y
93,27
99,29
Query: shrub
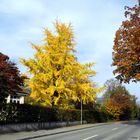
x,y
25,113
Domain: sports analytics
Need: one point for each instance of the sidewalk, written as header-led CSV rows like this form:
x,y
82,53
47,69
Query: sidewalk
x,y
40,133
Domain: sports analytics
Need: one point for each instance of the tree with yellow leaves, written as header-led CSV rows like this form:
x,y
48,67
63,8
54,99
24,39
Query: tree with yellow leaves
x,y
118,101
55,73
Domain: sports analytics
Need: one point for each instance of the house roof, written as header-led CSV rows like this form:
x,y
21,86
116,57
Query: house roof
x,y
21,93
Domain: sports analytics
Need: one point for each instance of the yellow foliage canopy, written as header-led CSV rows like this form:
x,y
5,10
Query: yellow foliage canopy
x,y
55,72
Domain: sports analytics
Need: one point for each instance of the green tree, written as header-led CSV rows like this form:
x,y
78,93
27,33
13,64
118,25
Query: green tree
x,y
56,75
113,87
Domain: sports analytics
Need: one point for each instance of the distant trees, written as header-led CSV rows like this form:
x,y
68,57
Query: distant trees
x,y
112,87
10,79
126,49
118,102
118,105
56,75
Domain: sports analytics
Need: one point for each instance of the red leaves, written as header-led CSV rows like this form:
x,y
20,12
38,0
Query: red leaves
x,y
126,49
10,79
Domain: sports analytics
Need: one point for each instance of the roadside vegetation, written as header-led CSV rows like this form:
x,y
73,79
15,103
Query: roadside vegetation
x,y
58,84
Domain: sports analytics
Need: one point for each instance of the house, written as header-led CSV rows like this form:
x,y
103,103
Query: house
x,y
17,98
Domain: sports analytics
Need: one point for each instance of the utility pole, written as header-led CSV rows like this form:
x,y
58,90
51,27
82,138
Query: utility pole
x,y
81,112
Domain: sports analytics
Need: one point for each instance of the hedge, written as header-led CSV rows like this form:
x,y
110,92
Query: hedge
x,y
25,113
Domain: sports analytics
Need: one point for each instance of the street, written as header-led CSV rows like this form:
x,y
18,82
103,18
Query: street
x,y
125,131
129,130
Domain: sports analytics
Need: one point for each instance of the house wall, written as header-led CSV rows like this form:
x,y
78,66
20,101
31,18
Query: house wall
x,y
8,99
15,99
21,100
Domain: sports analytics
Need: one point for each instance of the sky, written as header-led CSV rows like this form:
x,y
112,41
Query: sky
x,y
94,23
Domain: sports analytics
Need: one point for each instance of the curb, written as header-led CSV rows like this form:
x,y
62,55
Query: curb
x,y
39,136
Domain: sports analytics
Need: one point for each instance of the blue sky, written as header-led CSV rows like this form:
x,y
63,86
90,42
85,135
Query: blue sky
x,y
94,23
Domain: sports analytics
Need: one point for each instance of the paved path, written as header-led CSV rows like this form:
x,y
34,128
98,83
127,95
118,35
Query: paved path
x,y
109,131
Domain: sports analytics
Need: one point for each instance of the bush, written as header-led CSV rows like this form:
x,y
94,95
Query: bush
x,y
17,113
25,113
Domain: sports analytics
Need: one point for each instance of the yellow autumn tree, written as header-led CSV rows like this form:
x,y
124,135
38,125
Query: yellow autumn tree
x,y
119,104
55,73
113,108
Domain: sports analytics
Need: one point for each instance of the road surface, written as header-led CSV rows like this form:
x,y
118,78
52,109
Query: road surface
x,y
111,131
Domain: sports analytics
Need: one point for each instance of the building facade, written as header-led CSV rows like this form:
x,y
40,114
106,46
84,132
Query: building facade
x,y
17,98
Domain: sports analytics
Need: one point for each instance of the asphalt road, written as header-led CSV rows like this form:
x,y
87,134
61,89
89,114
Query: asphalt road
x,y
116,131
